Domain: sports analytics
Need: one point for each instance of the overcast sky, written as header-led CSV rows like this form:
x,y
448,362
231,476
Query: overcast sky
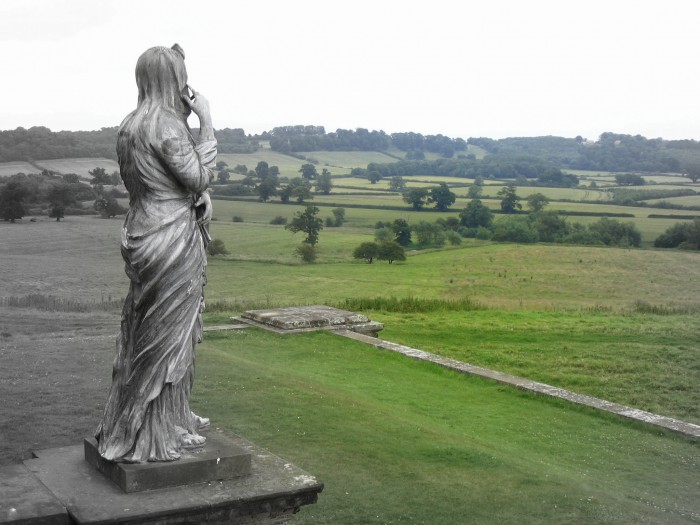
x,y
493,68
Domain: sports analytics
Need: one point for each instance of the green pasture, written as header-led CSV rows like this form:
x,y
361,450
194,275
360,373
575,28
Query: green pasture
x,y
78,166
346,160
501,276
637,359
289,166
8,169
253,211
260,242
688,200
399,441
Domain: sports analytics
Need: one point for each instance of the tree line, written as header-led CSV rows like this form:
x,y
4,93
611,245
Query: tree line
x,y
497,166
611,152
288,139
40,143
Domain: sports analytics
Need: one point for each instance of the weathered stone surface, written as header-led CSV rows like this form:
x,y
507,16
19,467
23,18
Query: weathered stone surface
x,y
219,459
25,501
305,318
273,491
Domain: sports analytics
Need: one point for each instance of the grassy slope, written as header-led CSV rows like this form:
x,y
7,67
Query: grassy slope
x,y
398,441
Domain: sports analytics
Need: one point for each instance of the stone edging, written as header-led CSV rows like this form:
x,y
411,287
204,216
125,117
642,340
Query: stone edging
x,y
675,425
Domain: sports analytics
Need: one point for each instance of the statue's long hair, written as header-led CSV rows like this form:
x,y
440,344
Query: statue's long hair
x,y
161,79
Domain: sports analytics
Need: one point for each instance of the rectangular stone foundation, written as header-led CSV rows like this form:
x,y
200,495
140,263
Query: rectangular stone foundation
x,y
272,493
219,459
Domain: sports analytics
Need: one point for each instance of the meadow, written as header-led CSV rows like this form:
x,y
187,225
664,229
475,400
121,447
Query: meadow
x,y
395,440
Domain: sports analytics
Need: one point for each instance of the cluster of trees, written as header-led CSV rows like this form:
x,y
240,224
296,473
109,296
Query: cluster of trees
x,y
389,251
476,220
57,195
265,182
523,168
611,152
440,195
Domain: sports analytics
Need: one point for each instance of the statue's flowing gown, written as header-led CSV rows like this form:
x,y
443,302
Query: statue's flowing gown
x,y
164,170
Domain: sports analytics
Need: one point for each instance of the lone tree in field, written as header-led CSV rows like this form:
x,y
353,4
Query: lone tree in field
x,y
100,177
307,222
536,202
308,171
692,171
402,232
367,251
442,197
416,197
12,197
324,184
60,197
510,202
391,251
476,214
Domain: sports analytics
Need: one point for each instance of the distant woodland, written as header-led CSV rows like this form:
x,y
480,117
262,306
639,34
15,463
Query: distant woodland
x,y
610,152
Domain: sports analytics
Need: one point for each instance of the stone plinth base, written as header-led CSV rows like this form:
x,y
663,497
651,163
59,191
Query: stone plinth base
x,y
219,459
305,318
272,492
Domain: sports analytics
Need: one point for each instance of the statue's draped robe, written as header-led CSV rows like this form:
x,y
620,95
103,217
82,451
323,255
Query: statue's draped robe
x,y
164,171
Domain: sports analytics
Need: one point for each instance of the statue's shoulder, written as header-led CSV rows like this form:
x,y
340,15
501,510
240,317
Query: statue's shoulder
x,y
169,126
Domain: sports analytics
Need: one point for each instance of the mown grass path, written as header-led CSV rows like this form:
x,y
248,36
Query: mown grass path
x,y
401,441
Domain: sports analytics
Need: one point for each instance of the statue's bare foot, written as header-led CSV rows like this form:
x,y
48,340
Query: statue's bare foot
x,y
188,440
200,423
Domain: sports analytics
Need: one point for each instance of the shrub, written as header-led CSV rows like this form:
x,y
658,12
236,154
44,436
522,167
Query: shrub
x,y
237,218
217,247
279,220
306,252
615,233
515,229
674,236
453,238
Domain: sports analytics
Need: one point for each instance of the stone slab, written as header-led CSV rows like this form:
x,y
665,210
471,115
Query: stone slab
x,y
24,500
219,459
305,318
273,491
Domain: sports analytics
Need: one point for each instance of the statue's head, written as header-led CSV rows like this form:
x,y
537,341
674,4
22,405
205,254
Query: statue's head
x,y
161,77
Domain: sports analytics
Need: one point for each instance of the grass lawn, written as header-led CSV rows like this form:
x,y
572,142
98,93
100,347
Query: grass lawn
x,y
646,361
400,441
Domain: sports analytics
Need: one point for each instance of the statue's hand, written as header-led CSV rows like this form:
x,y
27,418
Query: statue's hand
x,y
205,202
198,104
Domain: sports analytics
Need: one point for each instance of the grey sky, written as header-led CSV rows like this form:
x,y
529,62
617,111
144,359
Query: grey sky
x,y
493,68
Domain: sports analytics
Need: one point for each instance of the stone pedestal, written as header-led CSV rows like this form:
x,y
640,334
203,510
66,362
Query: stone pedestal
x,y
296,319
69,490
218,460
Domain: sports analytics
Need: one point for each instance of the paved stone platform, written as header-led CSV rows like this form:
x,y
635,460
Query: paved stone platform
x,y
675,425
296,319
25,500
63,488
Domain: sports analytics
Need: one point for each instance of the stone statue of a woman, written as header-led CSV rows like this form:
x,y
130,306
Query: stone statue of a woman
x,y
166,171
